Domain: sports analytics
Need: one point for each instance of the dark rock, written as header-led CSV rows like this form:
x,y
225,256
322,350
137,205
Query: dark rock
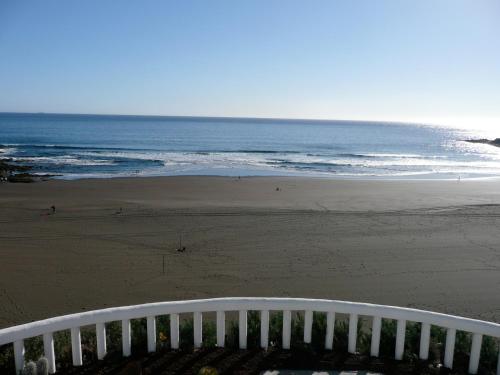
x,y
494,142
6,166
19,173
21,177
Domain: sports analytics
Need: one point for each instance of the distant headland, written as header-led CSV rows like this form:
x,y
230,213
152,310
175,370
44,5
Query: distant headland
x,y
494,142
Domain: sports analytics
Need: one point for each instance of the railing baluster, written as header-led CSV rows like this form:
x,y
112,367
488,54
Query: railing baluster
x,y
287,325
151,328
126,338
449,347
308,321
264,329
353,333
76,346
100,330
242,328
330,330
400,339
174,331
19,355
198,329
425,337
375,343
221,328
475,352
48,351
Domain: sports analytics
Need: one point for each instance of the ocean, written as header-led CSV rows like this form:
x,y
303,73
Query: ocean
x,y
88,146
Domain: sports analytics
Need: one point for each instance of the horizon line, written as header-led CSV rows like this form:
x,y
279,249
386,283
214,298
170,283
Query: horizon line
x,y
220,117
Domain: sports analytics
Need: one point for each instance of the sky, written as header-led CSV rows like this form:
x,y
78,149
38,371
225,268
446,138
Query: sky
x,y
434,61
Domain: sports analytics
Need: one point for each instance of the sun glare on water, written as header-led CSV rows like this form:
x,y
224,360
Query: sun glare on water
x,y
473,127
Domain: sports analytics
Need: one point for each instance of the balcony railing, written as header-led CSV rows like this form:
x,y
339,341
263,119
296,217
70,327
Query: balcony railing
x,y
46,328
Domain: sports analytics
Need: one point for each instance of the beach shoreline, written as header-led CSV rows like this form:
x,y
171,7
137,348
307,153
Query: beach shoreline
x,y
423,244
82,146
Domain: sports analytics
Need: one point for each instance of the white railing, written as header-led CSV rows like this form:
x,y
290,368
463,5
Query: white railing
x,y
73,322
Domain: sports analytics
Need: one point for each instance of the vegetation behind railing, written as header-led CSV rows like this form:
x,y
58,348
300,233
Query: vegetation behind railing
x,y
62,340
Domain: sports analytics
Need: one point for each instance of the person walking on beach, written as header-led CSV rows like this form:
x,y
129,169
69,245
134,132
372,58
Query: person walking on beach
x,y
53,208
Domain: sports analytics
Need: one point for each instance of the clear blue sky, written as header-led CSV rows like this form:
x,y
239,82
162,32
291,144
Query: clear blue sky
x,y
394,60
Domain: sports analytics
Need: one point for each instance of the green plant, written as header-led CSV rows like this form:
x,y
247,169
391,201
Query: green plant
x,y
42,366
139,336
318,333
253,332
437,340
412,341
340,338
209,334
232,336
463,341
186,334
387,338
89,344
29,368
62,347
253,329
7,358
275,329
489,353
33,348
114,336
163,330
297,330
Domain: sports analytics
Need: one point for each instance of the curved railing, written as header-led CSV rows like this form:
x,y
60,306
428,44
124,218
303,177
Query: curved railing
x,y
73,322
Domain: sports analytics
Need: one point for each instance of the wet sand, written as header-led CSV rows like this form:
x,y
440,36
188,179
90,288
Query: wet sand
x,y
425,244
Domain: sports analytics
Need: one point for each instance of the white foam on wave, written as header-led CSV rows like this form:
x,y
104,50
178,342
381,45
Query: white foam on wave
x,y
385,155
391,162
216,159
472,159
4,151
62,160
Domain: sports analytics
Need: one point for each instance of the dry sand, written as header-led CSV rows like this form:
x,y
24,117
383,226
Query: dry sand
x,y
426,244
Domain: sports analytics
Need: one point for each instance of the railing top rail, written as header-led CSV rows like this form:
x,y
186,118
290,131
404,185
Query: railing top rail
x,y
64,322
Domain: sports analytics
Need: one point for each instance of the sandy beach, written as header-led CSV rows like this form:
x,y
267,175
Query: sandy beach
x,y
425,244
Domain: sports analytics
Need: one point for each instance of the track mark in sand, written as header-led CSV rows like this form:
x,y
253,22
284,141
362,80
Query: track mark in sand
x,y
434,211
429,272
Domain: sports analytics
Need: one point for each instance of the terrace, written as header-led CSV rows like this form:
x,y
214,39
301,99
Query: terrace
x,y
308,309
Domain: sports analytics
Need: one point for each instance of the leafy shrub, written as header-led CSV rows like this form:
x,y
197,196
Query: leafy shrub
x,y
163,331
489,354
186,331
253,330
42,366
275,329
209,334
7,358
318,334
29,368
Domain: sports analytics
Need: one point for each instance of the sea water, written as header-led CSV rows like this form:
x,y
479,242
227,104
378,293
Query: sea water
x,y
82,146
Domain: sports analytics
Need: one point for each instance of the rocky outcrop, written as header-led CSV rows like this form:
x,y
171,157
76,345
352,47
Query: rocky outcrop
x,y
14,173
494,142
